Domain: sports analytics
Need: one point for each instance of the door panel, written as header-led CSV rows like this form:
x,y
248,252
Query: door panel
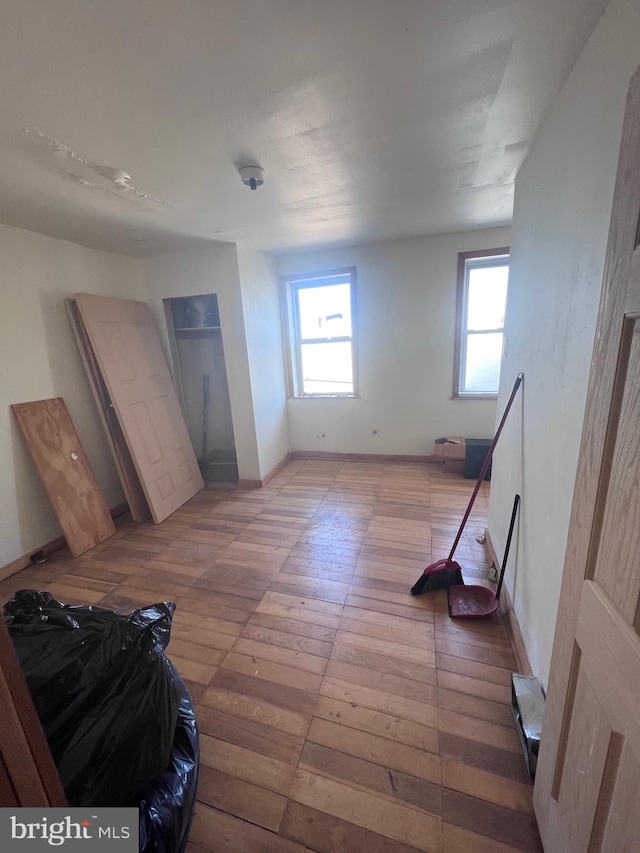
x,y
620,829
620,501
128,351
113,431
588,735
587,785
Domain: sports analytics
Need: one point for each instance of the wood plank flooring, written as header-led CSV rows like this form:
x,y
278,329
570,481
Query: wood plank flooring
x,y
337,713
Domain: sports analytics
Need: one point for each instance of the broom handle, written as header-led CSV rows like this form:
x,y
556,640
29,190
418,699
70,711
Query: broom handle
x,y
485,465
514,512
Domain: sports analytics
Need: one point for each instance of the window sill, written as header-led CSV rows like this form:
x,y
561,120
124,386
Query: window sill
x,y
474,396
324,397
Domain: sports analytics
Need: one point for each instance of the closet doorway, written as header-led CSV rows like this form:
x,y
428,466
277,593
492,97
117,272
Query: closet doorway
x,y
195,338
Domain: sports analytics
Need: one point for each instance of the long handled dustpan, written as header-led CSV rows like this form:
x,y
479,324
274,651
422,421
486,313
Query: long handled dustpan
x,y
443,573
479,602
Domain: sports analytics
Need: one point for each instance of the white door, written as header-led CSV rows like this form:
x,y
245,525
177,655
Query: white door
x,y
587,791
135,372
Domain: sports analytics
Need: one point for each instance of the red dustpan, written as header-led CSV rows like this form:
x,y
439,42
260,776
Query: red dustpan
x,y
479,602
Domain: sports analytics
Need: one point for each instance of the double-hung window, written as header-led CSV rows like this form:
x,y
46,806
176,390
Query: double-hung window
x,y
482,295
319,321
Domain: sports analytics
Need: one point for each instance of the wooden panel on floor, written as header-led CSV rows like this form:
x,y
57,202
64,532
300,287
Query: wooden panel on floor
x,y
502,737
488,786
258,710
379,700
276,654
393,820
500,824
458,840
291,698
472,753
66,474
385,663
240,798
387,682
234,760
364,774
251,733
373,747
330,834
214,830
279,673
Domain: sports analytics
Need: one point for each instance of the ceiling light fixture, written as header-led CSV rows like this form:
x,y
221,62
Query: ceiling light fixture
x,y
252,176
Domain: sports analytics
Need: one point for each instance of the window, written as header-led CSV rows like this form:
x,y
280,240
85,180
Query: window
x,y
482,297
318,318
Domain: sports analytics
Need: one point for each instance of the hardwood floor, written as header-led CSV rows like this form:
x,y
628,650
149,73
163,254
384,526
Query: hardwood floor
x,y
338,714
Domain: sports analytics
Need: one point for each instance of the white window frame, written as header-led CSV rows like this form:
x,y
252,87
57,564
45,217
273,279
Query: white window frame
x,y
466,262
289,289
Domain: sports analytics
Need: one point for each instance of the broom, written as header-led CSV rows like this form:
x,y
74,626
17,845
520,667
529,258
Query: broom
x,y
442,573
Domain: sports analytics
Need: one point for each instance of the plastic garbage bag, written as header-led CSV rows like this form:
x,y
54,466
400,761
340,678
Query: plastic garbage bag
x,y
166,810
106,697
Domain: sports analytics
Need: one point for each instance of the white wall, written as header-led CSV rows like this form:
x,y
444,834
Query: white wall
x,y
562,208
213,270
259,283
406,302
39,359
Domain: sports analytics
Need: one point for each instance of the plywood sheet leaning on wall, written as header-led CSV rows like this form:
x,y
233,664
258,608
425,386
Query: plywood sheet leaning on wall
x,y
122,458
66,473
127,347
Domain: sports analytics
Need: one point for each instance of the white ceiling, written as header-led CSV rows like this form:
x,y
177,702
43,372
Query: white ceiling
x,y
373,119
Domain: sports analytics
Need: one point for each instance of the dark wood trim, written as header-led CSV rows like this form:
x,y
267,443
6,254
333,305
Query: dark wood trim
x,y
25,560
362,457
24,752
276,468
258,484
249,484
120,509
48,548
511,620
462,258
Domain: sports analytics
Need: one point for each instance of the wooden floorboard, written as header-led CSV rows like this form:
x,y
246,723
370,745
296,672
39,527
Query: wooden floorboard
x,y
338,714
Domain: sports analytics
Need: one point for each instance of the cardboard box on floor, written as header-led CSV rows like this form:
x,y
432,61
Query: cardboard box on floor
x,y
451,447
453,466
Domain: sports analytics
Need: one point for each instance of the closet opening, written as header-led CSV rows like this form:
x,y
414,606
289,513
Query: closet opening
x,y
197,352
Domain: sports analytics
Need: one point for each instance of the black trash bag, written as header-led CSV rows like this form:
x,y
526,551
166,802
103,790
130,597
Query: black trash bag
x,y
107,702
166,810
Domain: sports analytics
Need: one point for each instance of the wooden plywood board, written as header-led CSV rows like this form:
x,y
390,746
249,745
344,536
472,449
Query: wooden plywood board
x,y
127,473
65,472
127,348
